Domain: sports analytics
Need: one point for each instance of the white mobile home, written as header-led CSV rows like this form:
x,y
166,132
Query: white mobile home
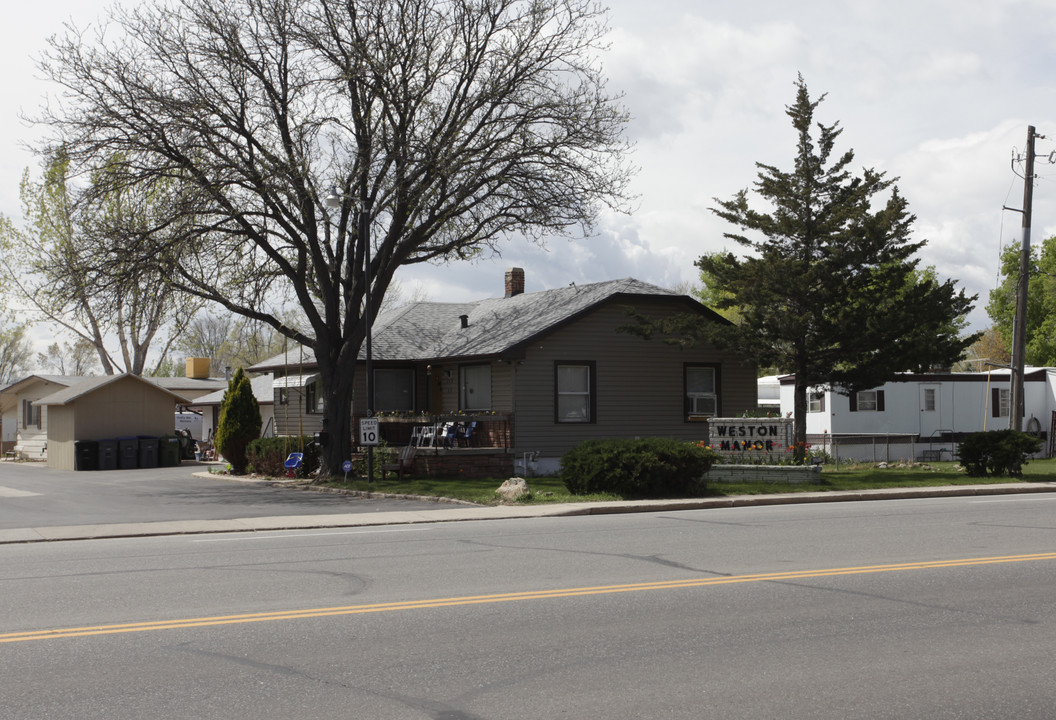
x,y
924,413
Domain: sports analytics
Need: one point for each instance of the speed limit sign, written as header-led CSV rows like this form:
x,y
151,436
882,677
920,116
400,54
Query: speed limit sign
x,y
368,431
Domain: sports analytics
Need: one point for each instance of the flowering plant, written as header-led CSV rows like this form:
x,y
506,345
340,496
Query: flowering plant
x,y
754,452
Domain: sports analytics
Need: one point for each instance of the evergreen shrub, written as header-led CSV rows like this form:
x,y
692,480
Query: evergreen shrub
x,y
997,452
644,468
239,422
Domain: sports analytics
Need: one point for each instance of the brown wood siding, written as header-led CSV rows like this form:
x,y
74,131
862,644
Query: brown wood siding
x,y
503,377
639,385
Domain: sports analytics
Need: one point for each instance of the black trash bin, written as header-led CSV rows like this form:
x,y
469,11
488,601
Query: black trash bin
x,y
128,452
85,455
148,451
168,451
108,454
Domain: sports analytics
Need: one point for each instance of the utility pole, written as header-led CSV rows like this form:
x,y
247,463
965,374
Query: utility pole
x,y
1019,330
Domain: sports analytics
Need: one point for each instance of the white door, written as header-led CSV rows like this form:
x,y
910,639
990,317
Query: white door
x,y
930,415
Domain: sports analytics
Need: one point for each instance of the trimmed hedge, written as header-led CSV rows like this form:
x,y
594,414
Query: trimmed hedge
x,y
997,452
267,456
645,468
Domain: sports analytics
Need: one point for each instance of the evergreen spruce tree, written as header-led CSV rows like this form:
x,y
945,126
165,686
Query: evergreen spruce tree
x,y
830,290
239,422
833,293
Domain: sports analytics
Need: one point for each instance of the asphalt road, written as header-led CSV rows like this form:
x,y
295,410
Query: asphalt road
x,y
937,608
33,495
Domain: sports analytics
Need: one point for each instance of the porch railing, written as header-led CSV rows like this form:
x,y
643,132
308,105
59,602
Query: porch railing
x,y
492,431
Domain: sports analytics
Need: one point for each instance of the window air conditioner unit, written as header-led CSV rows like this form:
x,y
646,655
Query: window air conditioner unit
x,y
702,406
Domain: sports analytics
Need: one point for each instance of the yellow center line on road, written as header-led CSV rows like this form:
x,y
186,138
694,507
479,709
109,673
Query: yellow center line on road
x,y
506,597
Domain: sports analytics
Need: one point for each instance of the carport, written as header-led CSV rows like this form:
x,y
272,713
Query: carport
x,y
110,406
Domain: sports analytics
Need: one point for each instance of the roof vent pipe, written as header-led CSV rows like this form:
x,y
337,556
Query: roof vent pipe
x,y
465,320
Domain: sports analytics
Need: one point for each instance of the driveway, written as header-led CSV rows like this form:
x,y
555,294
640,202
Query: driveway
x,y
34,495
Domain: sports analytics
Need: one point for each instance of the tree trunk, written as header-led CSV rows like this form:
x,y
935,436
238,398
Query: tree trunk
x,y
337,385
799,422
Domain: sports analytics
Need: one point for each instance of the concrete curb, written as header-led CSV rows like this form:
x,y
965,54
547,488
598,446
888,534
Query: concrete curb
x,y
466,512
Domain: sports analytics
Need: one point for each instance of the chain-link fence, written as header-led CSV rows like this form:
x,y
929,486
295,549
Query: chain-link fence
x,y
881,447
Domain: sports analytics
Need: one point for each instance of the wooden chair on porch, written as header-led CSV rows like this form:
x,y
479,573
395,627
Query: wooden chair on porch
x,y
404,461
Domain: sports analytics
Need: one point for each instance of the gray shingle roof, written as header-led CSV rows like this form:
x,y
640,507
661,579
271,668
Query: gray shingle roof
x,y
180,382
262,391
496,325
433,331
66,380
87,385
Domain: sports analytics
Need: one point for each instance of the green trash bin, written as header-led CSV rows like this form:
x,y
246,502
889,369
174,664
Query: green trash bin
x,y
168,451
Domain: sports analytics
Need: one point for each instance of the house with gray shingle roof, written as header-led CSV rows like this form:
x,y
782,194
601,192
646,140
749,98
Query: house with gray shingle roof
x,y
209,406
27,419
539,372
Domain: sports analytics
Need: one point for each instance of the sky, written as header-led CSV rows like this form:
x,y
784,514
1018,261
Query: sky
x,y
936,93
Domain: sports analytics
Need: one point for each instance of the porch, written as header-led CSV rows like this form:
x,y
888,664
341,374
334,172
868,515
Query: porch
x,y
449,431
452,444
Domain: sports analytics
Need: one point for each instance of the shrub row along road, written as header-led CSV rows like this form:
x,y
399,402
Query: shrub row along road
x,y
938,608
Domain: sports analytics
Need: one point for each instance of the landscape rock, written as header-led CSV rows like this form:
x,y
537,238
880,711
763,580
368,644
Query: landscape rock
x,y
513,489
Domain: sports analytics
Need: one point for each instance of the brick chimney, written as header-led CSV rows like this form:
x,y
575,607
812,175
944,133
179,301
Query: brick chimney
x,y
197,368
514,281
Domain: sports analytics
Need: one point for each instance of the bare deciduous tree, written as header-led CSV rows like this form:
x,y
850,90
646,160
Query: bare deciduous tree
x,y
445,125
229,341
70,262
78,359
16,352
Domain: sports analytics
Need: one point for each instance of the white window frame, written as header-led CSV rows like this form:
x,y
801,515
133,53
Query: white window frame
x,y
1004,402
31,414
314,404
697,402
867,401
931,399
584,398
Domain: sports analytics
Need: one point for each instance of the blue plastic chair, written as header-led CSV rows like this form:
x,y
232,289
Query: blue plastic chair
x,y
465,434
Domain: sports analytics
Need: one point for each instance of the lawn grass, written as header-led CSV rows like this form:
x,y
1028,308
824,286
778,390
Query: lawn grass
x,y
847,478
480,490
870,477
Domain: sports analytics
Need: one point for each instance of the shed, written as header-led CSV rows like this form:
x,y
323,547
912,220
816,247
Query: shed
x,y
104,407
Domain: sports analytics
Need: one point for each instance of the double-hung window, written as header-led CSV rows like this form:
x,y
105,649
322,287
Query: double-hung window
x,y
30,414
867,401
574,392
1001,400
313,398
701,391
